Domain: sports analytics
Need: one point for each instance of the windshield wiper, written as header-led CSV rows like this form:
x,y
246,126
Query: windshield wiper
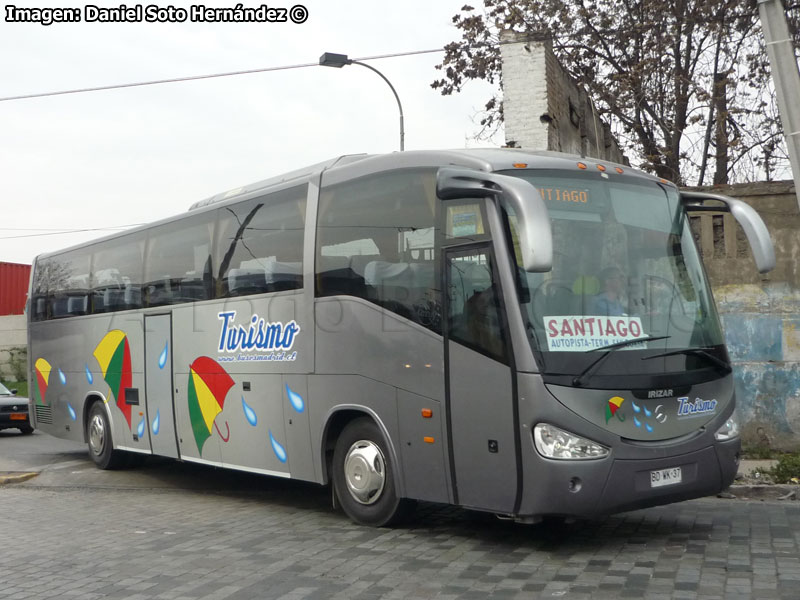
x,y
704,352
578,380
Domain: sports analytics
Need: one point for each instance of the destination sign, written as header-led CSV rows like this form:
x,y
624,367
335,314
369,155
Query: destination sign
x,y
564,194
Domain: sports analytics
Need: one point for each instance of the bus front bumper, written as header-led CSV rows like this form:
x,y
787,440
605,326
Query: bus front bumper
x,y
586,489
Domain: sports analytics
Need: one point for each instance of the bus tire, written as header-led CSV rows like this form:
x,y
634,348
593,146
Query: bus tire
x,y
101,446
363,476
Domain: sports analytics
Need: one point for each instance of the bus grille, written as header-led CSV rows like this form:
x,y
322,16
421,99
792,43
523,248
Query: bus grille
x,y
44,414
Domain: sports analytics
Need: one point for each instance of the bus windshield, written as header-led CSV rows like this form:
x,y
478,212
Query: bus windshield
x,y
625,269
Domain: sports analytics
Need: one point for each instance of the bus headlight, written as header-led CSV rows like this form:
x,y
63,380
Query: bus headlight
x,y
728,431
553,442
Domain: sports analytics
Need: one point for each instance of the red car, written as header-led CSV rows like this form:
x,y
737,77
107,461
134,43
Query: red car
x,y
14,411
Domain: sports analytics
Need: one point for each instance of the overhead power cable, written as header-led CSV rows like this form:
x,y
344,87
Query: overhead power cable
x,y
65,231
199,77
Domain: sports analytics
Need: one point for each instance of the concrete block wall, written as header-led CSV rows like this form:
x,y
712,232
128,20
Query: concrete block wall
x,y
760,313
525,98
543,109
12,335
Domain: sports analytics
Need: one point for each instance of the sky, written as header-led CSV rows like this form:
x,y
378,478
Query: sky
x,y
129,156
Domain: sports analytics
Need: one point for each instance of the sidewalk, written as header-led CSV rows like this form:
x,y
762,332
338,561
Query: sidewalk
x,y
748,467
749,487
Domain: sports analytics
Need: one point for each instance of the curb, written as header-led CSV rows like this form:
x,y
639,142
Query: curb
x,y
16,477
765,491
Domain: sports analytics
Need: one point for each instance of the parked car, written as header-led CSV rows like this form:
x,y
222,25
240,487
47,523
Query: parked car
x,y
14,411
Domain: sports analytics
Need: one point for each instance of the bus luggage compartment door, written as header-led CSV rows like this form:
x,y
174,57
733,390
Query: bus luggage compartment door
x,y
158,384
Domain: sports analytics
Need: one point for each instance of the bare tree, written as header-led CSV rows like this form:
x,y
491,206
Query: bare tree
x,y
684,83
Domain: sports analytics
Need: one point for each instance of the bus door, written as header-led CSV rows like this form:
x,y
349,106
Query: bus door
x,y
479,382
158,384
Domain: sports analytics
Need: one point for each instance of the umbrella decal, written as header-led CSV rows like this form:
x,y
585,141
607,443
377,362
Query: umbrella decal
x,y
42,368
209,383
113,353
612,408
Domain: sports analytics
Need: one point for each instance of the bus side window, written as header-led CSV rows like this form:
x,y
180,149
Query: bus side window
x,y
178,264
260,244
375,240
60,286
117,274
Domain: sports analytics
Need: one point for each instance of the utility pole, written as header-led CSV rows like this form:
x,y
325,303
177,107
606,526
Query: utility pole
x,y
786,78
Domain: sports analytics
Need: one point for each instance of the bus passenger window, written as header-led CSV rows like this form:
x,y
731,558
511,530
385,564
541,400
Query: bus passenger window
x,y
116,281
260,244
375,240
61,286
178,264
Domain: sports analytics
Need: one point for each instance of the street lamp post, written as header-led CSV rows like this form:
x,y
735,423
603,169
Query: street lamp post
x,y
329,59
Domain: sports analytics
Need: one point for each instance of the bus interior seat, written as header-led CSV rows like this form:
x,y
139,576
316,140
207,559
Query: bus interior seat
x,y
58,307
342,275
77,304
246,281
281,276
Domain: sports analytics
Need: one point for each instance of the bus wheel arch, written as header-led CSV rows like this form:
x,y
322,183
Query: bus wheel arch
x,y
363,470
98,435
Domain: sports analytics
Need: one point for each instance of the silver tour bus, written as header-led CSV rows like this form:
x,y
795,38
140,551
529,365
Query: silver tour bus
x,y
528,334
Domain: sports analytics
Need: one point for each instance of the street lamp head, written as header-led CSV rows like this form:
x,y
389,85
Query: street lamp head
x,y
330,59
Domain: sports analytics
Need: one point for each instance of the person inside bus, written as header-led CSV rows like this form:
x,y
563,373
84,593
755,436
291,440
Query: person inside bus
x,y
609,301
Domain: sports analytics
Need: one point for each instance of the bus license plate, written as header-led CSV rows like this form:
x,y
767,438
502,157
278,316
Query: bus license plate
x,y
664,477
18,416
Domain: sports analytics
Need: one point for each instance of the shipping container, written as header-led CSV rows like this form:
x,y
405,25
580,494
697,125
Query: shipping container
x,y
13,287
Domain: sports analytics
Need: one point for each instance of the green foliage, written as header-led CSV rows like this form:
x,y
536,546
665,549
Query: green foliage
x,y
759,453
787,470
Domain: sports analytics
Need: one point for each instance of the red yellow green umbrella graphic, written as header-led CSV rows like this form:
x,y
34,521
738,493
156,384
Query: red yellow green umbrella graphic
x,y
42,369
612,408
114,357
209,383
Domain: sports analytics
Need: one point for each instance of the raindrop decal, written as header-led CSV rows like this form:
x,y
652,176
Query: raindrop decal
x,y
162,359
648,413
157,422
62,377
279,451
249,413
637,422
295,399
636,407
648,427
72,414
140,429
89,376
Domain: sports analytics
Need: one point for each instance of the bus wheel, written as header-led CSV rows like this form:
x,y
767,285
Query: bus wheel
x,y
363,476
101,448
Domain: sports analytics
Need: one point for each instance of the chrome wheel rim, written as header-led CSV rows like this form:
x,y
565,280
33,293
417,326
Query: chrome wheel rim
x,y
97,434
365,472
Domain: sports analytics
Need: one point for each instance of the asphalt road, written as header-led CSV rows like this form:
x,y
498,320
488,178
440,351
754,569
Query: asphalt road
x,y
179,531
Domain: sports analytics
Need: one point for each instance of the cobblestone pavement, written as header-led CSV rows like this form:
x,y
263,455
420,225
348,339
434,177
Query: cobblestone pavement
x,y
267,538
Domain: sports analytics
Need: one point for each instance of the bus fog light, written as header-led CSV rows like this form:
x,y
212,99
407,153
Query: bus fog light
x,y
553,442
728,431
